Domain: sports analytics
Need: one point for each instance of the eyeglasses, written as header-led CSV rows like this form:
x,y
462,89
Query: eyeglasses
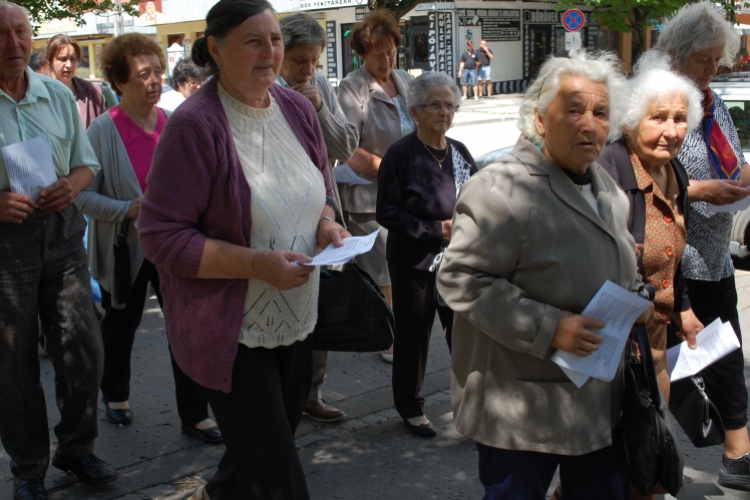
x,y
436,106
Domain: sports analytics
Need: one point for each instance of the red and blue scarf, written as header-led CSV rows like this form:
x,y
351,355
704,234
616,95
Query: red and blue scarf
x,y
720,153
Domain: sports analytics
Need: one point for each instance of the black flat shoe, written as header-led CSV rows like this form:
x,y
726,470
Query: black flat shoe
x,y
29,489
423,430
89,469
212,435
118,417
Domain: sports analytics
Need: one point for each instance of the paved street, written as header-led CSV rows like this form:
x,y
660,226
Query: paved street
x,y
370,455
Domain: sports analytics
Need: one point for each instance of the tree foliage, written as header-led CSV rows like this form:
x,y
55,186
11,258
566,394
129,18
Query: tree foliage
x,y
625,15
49,10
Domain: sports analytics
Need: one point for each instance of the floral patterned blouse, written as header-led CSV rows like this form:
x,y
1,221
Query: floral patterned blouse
x,y
665,237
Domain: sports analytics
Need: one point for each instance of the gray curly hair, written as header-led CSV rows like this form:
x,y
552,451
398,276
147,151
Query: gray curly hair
x,y
301,29
420,86
596,66
695,27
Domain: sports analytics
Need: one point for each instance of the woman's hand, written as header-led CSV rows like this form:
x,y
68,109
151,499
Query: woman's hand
x,y
574,334
135,208
277,268
331,232
689,325
717,191
447,227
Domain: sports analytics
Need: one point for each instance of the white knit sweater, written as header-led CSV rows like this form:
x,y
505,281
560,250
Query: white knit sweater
x,y
288,196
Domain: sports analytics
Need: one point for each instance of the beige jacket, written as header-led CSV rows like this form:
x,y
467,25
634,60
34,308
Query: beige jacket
x,y
525,246
366,105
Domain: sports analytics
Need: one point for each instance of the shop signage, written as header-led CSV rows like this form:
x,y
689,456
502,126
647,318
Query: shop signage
x,y
440,42
505,27
573,20
360,13
329,4
541,16
57,26
331,48
436,6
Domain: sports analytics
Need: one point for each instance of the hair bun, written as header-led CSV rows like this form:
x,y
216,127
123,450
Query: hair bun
x,y
199,53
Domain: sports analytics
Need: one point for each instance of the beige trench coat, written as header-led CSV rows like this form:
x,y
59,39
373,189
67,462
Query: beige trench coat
x,y
526,245
366,105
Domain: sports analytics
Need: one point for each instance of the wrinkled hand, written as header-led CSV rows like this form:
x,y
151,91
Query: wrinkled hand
x,y
135,208
690,326
447,228
721,191
331,232
277,268
15,207
638,250
311,92
57,196
574,334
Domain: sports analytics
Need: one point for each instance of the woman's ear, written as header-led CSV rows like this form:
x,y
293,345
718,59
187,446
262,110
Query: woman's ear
x,y
413,111
213,49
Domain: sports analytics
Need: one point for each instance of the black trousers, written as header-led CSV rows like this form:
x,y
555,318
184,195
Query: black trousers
x,y
44,273
118,333
414,308
725,379
258,419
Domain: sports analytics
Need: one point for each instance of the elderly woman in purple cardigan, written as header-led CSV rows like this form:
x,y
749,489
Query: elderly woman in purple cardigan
x,y
239,311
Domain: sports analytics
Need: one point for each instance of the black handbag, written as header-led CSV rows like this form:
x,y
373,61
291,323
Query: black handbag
x,y
652,451
695,413
353,315
121,279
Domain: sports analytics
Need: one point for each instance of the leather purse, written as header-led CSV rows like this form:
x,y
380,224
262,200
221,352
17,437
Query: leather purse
x,y
353,315
652,451
121,279
695,413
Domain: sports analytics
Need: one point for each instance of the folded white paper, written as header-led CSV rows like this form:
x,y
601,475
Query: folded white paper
x,y
714,342
30,166
737,206
619,309
345,175
353,246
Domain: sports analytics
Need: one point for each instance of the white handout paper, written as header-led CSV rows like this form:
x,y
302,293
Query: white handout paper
x,y
345,175
353,246
30,166
619,309
737,206
714,342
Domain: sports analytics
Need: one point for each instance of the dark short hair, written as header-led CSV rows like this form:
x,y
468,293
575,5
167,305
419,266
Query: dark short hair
x,y
223,17
376,26
186,68
38,59
57,43
301,29
115,63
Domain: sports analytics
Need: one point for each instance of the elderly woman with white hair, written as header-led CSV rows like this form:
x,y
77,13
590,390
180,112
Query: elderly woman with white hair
x,y
699,40
420,177
661,107
535,235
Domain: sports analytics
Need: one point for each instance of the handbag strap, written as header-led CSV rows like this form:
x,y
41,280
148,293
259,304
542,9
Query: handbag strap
x,y
640,335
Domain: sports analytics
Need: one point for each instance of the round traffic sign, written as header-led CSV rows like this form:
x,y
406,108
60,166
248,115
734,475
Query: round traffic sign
x,y
573,20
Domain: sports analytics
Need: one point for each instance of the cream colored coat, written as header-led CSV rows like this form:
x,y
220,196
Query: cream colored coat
x,y
525,246
366,105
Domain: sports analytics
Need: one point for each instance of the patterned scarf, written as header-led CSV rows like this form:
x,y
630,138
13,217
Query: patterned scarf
x,y
720,153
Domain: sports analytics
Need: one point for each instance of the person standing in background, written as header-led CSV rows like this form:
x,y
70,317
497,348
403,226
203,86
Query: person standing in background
x,y
468,69
484,57
187,78
38,62
304,41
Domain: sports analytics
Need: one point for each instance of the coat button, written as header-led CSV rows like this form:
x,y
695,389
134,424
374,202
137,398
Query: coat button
x,y
669,251
665,284
668,219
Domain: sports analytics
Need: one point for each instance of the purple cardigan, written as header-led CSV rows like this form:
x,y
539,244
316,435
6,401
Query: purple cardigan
x,y
197,190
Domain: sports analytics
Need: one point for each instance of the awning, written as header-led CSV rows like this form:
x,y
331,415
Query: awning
x,y
742,29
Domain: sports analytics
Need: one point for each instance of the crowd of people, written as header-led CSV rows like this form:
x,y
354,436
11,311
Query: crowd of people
x,y
214,195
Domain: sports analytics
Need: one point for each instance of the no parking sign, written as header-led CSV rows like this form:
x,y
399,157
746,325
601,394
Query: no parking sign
x,y
573,20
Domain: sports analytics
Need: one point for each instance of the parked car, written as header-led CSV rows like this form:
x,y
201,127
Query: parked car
x,y
734,89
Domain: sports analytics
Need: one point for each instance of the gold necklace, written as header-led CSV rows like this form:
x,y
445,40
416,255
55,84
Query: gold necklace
x,y
440,162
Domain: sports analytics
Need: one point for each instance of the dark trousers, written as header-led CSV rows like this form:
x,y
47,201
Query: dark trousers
x,y
526,475
414,308
258,419
725,379
44,273
118,333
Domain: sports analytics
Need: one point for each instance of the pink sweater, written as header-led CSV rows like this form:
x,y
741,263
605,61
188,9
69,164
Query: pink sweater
x,y
197,190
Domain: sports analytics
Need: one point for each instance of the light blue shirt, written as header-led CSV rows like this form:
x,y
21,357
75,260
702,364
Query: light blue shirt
x,y
48,109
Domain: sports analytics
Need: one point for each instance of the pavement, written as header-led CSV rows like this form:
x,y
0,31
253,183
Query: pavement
x,y
497,108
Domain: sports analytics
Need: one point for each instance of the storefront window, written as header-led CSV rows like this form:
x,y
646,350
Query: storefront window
x,y
350,59
84,67
417,42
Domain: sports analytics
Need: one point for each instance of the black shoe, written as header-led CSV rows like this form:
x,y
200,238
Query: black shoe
x,y
88,469
118,417
29,489
736,473
212,435
423,430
